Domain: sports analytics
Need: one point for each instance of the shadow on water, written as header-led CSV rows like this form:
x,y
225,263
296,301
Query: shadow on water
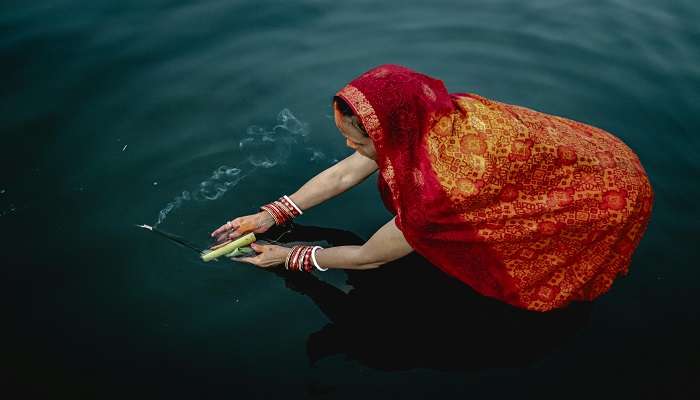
x,y
409,314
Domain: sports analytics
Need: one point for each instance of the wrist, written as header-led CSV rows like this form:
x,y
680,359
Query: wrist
x,y
282,210
302,258
285,259
266,219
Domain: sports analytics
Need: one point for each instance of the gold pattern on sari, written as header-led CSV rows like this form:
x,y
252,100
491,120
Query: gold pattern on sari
x,y
556,199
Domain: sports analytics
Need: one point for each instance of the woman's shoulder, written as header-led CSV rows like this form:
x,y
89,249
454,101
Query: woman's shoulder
x,y
464,99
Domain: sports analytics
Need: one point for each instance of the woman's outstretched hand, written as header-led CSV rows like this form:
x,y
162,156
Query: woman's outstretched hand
x,y
269,255
257,223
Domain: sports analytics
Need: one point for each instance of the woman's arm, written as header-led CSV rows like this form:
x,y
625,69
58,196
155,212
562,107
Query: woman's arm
x,y
334,180
387,244
329,183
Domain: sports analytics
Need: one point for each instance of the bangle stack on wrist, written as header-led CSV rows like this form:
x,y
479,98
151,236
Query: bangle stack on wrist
x,y
282,210
303,258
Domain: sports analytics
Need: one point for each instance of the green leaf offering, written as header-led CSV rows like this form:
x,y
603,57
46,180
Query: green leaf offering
x,y
242,241
241,251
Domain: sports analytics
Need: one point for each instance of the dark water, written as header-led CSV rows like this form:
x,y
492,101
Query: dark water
x,y
112,112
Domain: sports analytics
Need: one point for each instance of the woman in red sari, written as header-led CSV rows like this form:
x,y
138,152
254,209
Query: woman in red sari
x,y
533,209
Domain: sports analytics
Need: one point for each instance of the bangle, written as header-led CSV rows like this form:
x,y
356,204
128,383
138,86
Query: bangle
x,y
273,212
313,258
282,210
289,200
286,260
300,258
293,263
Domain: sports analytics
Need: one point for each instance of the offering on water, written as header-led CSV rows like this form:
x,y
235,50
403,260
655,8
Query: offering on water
x,y
241,252
245,240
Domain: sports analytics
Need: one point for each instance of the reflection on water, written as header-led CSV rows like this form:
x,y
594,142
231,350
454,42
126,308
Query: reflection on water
x,y
408,314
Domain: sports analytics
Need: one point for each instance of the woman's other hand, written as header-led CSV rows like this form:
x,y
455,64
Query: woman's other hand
x,y
257,223
269,255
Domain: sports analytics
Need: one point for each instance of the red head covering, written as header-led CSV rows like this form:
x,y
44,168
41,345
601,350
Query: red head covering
x,y
533,209
397,106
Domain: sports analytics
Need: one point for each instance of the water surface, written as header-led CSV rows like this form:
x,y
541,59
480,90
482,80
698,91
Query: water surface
x,y
113,112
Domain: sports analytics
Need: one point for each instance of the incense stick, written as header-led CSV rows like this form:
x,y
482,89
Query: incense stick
x,y
172,237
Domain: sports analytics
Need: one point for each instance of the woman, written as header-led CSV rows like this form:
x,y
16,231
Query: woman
x,y
532,209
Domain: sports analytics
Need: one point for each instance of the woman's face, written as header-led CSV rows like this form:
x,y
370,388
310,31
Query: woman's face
x,y
354,139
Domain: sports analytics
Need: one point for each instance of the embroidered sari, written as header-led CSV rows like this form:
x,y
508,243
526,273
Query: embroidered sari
x,y
533,209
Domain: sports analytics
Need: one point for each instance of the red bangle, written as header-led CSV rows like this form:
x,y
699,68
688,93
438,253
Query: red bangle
x,y
307,259
293,209
282,210
299,259
294,262
272,210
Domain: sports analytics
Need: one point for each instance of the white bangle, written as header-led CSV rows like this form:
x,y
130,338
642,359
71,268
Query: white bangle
x,y
313,258
293,205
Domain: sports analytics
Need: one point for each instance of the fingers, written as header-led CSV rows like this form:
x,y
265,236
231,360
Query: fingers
x,y
223,238
243,259
232,235
220,230
257,260
227,231
267,256
259,248
234,228
225,227
248,258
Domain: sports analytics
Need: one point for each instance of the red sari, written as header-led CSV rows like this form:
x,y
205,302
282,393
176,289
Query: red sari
x,y
533,209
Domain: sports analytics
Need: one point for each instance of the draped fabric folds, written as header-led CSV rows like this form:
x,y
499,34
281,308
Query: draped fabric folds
x,y
533,209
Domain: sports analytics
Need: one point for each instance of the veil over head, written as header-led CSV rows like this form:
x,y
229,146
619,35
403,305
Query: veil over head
x,y
398,107
530,208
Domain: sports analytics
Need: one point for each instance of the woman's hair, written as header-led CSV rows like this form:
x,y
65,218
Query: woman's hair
x,y
345,109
